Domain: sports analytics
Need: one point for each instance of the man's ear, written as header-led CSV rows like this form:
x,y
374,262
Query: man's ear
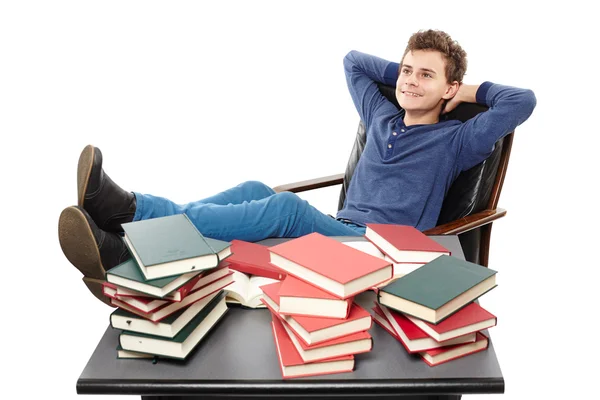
x,y
451,90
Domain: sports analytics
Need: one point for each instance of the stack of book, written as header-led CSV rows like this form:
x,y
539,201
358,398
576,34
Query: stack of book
x,y
433,310
170,293
317,327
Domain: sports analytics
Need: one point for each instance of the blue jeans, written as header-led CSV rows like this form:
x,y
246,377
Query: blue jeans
x,y
251,211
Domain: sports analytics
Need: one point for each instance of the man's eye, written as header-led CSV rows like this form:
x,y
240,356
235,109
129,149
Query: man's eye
x,y
427,75
405,71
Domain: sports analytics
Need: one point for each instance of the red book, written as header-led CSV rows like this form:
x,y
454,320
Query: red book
x,y
412,338
170,308
472,318
253,259
316,330
360,342
140,303
382,321
292,365
297,297
330,265
439,356
404,243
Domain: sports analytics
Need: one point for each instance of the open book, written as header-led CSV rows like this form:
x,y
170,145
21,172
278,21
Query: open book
x,y
245,290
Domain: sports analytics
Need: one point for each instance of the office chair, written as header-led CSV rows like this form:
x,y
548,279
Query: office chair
x,y
470,206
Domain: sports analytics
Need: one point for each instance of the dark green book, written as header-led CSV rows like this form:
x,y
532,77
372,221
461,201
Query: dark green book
x,y
131,354
438,289
168,327
185,341
129,275
172,245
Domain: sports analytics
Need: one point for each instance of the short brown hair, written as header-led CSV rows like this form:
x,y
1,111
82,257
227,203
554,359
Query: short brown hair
x,y
455,56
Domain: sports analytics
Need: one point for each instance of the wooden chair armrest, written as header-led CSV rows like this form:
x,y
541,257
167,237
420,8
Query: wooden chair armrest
x,y
467,223
311,184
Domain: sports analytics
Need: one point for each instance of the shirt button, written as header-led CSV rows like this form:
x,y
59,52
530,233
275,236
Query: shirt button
x,y
394,133
389,146
402,130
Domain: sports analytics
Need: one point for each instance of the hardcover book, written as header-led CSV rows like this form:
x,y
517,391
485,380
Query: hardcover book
x,y
330,265
253,259
128,275
172,245
404,243
439,356
471,318
438,289
297,297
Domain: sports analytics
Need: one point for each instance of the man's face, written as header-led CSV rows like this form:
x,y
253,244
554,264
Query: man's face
x,y
422,84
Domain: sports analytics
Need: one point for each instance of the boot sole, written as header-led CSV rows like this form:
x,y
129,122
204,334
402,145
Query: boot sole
x,y
95,286
78,243
84,170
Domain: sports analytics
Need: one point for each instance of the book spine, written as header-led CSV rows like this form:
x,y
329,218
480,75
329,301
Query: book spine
x,y
203,239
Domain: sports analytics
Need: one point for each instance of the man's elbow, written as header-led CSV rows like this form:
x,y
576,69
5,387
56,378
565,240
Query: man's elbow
x,y
530,101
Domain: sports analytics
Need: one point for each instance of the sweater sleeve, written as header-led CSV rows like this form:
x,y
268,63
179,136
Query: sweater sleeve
x,y
508,107
363,71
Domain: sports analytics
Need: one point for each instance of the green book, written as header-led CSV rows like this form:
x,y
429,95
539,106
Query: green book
x,y
172,245
168,327
185,341
129,275
438,289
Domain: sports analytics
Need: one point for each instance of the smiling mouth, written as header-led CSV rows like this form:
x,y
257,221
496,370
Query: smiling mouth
x,y
411,94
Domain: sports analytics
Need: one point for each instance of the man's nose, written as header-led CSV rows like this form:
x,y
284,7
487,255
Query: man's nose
x,y
411,80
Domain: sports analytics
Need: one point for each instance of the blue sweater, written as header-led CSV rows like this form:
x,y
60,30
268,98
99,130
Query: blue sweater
x,y
407,182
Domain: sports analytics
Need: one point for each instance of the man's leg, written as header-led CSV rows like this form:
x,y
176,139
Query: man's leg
x,y
279,215
245,191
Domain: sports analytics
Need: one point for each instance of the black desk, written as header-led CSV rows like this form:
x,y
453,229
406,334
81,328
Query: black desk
x,y
238,359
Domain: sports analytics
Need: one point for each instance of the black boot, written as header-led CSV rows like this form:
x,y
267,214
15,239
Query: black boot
x,y
90,249
108,204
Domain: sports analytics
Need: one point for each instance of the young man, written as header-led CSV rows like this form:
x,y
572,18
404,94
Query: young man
x,y
409,162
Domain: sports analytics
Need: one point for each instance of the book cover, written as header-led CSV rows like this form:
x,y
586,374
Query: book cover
x,y
167,327
253,259
129,275
183,342
330,265
471,318
439,356
172,245
404,243
438,289
297,297
293,366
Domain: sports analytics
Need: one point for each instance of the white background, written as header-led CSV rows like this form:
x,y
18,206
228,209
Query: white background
x,y
188,98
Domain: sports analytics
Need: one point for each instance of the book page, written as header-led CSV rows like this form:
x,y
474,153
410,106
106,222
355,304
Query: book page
x,y
239,288
254,291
